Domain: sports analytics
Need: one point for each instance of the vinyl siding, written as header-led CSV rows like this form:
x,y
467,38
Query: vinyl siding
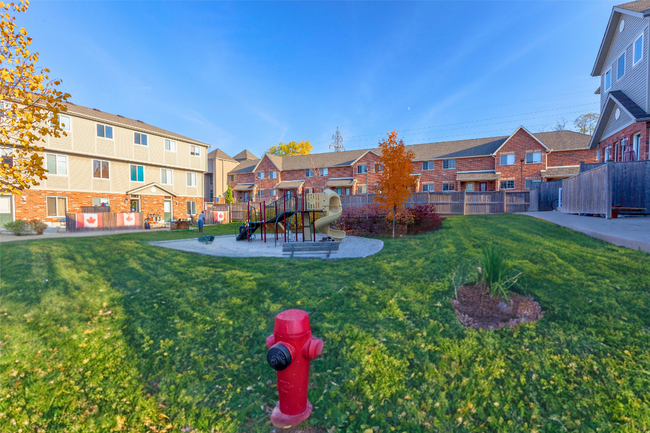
x,y
614,125
635,81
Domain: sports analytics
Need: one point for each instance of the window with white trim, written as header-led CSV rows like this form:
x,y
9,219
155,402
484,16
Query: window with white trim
x,y
620,67
101,201
170,145
448,164
362,168
191,207
191,179
100,169
104,131
379,168
272,175
638,50
137,173
508,159
273,193
533,157
261,193
507,184
195,150
166,176
309,173
636,146
361,189
598,155
64,122
427,165
56,206
608,79
57,164
260,175
427,187
449,186
324,171
7,157
140,139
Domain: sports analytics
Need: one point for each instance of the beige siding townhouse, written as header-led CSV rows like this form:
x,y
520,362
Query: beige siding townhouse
x,y
216,178
108,159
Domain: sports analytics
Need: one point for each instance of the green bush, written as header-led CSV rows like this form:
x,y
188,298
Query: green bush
x,y
19,227
495,273
25,227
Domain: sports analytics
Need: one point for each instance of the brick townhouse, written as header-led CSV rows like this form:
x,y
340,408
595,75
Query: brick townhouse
x,y
513,162
622,66
108,159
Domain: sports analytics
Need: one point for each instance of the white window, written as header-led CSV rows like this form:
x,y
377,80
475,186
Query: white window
x,y
621,67
379,168
449,163
191,179
104,131
6,157
101,201
274,192
273,174
507,184
260,175
170,145
309,173
608,153
533,157
347,191
508,159
191,207
636,146
137,173
427,165
362,168
64,122
427,187
638,49
100,169
195,150
469,187
608,79
57,164
361,189
448,186
598,155
261,193
56,206
166,176
324,172
140,139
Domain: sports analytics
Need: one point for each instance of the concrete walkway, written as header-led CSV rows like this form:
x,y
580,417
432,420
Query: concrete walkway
x,y
631,232
53,233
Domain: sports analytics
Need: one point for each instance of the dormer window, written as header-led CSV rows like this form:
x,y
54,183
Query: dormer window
x,y
638,49
621,67
608,79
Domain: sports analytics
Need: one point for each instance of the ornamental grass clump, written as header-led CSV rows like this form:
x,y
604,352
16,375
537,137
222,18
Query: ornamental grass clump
x,y
495,273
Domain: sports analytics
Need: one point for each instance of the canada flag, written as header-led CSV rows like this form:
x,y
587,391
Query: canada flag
x,y
89,220
128,219
220,216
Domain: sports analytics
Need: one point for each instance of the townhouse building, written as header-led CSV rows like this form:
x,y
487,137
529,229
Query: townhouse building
x,y
216,178
108,159
515,162
622,65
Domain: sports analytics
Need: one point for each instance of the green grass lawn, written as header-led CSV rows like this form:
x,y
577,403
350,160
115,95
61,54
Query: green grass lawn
x,y
112,334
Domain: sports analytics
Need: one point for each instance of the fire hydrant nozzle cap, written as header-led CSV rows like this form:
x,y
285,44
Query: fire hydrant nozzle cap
x,y
279,357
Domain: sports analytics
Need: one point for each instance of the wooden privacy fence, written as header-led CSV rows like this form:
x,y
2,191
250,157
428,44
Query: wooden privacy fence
x,y
82,222
589,192
630,184
544,195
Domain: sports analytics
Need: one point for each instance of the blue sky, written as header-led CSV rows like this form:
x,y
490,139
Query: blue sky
x,y
249,75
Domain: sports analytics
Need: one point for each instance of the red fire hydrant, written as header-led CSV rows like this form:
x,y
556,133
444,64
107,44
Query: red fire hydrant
x,y
291,348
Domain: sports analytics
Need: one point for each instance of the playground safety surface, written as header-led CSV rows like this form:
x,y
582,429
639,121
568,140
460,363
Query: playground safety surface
x,y
228,246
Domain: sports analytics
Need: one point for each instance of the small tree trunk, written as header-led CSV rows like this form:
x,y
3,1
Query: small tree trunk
x,y
394,218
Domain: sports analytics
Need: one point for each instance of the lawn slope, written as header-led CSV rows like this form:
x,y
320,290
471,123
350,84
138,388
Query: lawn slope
x,y
111,333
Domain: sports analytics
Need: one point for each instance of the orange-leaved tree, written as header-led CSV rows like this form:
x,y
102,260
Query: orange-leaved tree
x,y
396,180
29,105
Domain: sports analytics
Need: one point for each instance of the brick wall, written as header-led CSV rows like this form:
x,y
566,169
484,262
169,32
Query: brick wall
x,y
629,133
571,157
33,203
520,144
438,175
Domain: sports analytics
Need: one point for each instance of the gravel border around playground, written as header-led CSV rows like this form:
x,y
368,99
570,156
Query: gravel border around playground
x,y
228,246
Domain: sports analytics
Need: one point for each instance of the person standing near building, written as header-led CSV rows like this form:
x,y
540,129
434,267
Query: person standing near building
x,y
201,221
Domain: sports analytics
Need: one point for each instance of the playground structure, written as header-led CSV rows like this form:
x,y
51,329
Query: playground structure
x,y
287,215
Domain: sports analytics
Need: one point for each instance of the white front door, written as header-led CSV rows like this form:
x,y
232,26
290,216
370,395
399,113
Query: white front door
x,y
6,210
168,210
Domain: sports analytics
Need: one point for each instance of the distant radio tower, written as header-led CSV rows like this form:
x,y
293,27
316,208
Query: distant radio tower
x,y
338,141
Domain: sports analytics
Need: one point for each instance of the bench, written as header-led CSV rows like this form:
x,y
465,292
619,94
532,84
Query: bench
x,y
310,248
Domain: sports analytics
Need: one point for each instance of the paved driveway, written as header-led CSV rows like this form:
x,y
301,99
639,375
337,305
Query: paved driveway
x,y
631,232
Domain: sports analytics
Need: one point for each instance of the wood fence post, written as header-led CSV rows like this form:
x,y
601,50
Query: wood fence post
x,y
465,202
610,191
505,203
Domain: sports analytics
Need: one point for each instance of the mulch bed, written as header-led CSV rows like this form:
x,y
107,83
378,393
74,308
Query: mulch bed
x,y
475,307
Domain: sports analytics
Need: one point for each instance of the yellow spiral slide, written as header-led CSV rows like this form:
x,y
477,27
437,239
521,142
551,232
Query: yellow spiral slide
x,y
332,209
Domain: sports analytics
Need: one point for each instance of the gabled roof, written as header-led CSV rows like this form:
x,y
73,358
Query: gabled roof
x,y
246,166
154,185
220,154
521,128
616,98
638,9
118,120
243,155
564,140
